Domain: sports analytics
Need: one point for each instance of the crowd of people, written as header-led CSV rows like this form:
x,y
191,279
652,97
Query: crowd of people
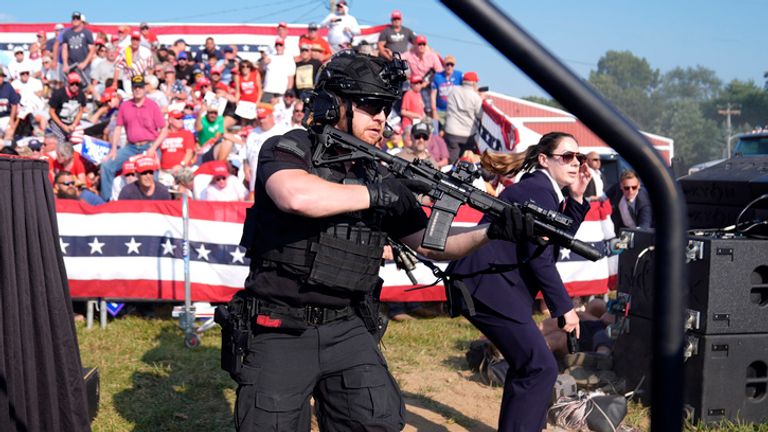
x,y
211,108
176,122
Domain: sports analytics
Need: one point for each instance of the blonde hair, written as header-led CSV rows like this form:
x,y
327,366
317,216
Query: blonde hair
x,y
513,163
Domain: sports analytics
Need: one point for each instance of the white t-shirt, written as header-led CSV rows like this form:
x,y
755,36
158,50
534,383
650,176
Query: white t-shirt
x,y
30,102
253,145
14,67
233,191
282,113
280,67
337,25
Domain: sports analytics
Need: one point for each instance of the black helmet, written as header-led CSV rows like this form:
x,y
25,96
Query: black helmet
x,y
352,75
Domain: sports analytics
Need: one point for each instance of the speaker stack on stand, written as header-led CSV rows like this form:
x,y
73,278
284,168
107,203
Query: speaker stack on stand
x,y
726,332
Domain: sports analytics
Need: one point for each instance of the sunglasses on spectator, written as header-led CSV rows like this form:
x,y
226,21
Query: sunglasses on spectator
x,y
304,49
628,188
24,73
373,106
298,112
568,157
450,64
421,137
129,175
278,44
69,183
422,44
219,178
148,172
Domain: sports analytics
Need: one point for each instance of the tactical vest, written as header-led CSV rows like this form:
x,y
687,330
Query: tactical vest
x,y
343,253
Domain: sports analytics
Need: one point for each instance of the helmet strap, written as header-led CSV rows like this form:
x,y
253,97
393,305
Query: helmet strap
x,y
349,116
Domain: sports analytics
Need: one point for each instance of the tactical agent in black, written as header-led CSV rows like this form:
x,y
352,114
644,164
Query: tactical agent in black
x,y
306,335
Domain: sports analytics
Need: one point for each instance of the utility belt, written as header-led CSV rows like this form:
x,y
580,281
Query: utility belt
x,y
241,316
299,318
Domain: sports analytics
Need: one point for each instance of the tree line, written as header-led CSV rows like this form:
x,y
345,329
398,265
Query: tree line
x,y
682,103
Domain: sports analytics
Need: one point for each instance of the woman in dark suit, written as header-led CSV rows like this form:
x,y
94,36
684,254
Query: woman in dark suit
x,y
504,301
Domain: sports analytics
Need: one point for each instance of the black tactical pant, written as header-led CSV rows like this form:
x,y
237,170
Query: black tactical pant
x,y
338,363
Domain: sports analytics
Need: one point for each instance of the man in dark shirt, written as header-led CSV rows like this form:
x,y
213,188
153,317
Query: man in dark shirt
x,y
67,105
395,37
306,69
308,337
9,106
184,69
65,187
77,48
145,188
210,50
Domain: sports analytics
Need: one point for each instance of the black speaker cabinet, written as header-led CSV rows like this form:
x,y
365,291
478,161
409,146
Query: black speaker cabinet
x,y
93,390
636,273
716,195
728,281
728,378
632,354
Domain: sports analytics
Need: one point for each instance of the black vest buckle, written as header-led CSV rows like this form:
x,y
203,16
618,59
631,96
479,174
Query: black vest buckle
x,y
314,315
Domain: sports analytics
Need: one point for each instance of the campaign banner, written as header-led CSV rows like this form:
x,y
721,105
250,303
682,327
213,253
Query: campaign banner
x,y
93,149
132,250
495,131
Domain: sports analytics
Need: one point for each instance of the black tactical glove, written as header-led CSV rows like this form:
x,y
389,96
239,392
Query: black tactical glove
x,y
512,225
388,193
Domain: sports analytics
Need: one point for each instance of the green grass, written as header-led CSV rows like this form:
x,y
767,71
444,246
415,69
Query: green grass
x,y
151,382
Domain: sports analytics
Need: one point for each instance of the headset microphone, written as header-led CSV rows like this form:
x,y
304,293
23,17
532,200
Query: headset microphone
x,y
388,131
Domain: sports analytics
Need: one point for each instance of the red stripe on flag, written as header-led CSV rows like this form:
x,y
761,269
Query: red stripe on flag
x,y
144,289
212,211
406,293
182,29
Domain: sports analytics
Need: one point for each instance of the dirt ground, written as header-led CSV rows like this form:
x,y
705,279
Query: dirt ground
x,y
438,400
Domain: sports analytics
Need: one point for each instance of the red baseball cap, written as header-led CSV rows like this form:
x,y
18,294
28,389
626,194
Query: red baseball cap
x,y
219,168
396,14
129,167
282,24
279,41
135,34
471,76
145,163
416,79
108,94
42,33
175,114
73,77
421,39
263,110
202,81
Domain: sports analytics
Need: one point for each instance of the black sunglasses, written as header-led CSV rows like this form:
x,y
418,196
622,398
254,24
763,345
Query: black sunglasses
x,y
69,183
148,172
568,157
373,106
626,188
450,64
421,136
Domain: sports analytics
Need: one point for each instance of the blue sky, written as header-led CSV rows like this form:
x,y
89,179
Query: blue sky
x,y
727,37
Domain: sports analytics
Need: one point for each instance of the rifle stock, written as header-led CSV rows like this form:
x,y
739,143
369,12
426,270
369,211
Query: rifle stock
x,y
449,192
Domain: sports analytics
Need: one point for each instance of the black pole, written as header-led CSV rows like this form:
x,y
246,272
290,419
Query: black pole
x,y
668,204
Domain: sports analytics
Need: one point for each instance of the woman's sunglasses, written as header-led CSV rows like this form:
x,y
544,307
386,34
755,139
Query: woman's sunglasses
x,y
568,157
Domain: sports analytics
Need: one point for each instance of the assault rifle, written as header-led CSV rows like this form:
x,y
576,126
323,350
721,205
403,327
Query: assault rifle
x,y
448,191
